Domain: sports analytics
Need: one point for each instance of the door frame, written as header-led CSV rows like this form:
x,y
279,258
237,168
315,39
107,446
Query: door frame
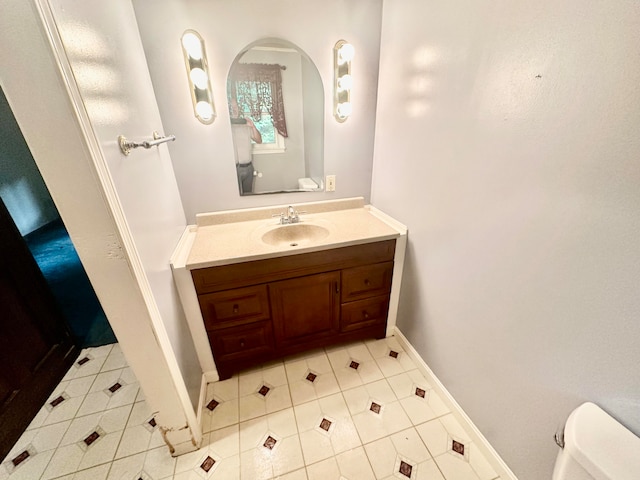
x,y
44,98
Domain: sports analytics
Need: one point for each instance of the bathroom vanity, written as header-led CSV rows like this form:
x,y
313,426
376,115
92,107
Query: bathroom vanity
x,y
254,290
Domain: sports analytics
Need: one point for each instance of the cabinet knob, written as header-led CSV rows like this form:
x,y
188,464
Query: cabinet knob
x,y
241,343
367,282
236,309
365,315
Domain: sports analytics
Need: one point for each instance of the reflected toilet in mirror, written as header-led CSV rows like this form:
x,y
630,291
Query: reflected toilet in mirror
x,y
276,106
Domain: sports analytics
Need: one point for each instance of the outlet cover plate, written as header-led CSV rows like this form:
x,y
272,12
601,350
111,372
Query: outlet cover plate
x,y
331,183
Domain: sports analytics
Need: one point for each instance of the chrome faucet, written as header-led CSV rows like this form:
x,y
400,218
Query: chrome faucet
x,y
292,216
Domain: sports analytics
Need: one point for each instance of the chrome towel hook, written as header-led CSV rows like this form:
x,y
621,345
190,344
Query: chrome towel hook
x,y
126,146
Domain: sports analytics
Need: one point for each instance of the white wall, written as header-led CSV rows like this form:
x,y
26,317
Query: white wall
x,y
507,141
105,53
47,108
203,154
21,187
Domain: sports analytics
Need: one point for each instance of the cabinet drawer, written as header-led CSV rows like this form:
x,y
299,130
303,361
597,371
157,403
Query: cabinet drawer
x,y
364,313
367,281
234,307
251,340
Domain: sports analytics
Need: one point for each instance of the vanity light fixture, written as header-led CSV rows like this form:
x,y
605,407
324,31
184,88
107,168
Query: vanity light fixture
x,y
195,59
342,55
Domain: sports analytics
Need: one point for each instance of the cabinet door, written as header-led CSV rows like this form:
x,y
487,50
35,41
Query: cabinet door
x,y
305,309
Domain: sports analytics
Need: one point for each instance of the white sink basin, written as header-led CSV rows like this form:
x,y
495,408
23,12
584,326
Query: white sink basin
x,y
294,235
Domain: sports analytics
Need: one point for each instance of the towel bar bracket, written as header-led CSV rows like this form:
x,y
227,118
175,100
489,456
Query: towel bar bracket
x,y
126,145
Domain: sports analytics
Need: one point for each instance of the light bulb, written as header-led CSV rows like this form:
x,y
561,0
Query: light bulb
x,y
345,82
199,78
204,110
346,53
344,109
192,44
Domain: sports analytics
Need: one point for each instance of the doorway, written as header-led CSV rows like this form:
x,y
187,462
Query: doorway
x,y
36,217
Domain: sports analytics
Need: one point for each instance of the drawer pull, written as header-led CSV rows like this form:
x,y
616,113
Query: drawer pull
x,y
367,282
241,343
236,309
365,315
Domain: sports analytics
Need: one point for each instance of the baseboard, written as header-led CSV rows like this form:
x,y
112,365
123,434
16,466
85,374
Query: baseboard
x,y
477,438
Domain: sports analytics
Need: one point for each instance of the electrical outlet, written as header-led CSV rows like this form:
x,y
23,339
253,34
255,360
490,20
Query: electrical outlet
x,y
331,183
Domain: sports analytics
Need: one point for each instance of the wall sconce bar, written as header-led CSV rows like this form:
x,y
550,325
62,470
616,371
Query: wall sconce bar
x,y
342,81
126,145
195,59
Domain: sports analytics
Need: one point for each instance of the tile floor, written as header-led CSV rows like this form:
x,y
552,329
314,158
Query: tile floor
x,y
359,412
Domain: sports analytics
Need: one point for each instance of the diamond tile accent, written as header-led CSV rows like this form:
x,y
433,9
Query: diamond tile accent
x,y
325,424
328,441
270,442
457,447
91,438
207,464
20,458
405,469
115,387
82,361
57,401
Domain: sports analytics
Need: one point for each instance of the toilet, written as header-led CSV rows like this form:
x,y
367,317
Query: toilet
x,y
597,447
307,183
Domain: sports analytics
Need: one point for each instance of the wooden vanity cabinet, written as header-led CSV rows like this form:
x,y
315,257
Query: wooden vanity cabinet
x,y
260,310
305,309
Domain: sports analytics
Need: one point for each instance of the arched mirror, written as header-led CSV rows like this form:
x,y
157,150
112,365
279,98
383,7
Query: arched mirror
x,y
276,105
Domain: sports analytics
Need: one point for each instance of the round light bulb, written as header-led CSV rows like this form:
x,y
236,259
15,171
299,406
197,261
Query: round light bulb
x,y
344,109
204,110
193,45
199,78
346,53
345,82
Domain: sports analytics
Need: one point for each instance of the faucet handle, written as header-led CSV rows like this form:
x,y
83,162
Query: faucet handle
x,y
281,216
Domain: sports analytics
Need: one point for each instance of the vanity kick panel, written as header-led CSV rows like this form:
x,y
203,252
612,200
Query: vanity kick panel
x,y
261,310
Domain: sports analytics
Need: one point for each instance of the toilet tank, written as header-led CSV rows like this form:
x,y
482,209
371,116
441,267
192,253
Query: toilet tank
x,y
307,184
597,447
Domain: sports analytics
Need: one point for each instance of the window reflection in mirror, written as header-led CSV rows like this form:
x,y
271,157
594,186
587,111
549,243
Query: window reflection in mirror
x,y
276,106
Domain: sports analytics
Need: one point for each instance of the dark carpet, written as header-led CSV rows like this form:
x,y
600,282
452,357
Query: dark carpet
x,y
60,264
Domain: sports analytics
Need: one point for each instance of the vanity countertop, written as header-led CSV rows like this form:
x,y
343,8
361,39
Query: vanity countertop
x,y
233,237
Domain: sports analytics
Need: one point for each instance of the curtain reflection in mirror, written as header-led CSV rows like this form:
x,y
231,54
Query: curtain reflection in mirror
x,y
257,90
